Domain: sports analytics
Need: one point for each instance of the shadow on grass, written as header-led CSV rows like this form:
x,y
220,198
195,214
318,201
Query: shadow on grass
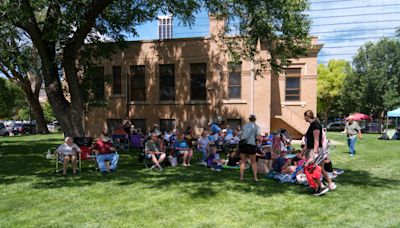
x,y
25,162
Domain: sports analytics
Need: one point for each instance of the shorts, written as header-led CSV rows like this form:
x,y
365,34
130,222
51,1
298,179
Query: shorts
x,y
157,156
247,149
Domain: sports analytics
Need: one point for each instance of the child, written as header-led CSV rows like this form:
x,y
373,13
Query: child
x,y
202,146
214,161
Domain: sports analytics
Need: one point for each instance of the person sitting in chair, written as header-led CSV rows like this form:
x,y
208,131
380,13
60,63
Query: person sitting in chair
x,y
181,147
153,151
105,152
68,152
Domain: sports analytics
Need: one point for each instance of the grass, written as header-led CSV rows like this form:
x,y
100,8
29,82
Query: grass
x,y
32,195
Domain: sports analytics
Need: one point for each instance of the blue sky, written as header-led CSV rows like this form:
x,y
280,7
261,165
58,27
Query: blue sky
x,y
342,26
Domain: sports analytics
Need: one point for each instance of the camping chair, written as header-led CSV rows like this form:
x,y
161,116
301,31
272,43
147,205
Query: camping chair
x,y
58,160
136,141
120,142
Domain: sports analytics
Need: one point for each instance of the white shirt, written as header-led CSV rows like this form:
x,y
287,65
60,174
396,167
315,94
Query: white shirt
x,y
65,149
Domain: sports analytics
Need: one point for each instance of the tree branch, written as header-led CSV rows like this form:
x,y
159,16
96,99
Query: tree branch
x,y
94,10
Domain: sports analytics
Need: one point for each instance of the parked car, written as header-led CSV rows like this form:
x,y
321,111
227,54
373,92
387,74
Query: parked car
x,y
22,129
373,128
336,126
54,126
4,131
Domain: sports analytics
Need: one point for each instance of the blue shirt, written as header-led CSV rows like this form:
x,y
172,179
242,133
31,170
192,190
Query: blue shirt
x,y
181,144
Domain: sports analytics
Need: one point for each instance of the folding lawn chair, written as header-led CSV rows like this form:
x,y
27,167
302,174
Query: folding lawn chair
x,y
120,142
59,160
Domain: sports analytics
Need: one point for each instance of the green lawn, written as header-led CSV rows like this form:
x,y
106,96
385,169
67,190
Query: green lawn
x,y
32,195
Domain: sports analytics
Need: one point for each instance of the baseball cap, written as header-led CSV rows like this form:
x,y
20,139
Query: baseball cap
x,y
252,116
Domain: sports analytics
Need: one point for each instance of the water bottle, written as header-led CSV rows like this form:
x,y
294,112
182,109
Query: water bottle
x,y
48,155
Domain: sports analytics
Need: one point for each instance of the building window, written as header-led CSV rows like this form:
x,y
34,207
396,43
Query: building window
x,y
234,123
198,78
98,83
235,80
138,83
140,124
292,90
117,80
167,82
113,124
167,124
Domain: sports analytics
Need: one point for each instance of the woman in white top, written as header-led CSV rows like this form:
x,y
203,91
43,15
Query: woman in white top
x,y
68,152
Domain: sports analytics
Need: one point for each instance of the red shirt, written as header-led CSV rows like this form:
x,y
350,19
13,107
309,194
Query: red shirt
x,y
103,147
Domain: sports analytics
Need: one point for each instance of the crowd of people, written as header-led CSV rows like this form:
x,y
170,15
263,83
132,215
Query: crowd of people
x,y
221,147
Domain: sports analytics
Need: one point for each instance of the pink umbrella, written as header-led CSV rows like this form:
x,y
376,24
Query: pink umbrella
x,y
360,116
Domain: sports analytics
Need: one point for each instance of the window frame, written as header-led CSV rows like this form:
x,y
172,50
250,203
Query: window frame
x,y
291,75
233,69
113,81
162,84
194,74
132,86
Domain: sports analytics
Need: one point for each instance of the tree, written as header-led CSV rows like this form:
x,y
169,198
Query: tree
x,y
59,30
48,112
20,63
11,99
374,86
330,82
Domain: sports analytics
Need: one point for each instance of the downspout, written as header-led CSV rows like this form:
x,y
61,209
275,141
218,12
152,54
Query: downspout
x,y
252,88
127,95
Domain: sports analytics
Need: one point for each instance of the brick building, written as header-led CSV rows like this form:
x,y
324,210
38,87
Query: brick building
x,y
177,83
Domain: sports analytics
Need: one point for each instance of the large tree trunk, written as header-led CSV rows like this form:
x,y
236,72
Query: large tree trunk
x,y
70,117
36,108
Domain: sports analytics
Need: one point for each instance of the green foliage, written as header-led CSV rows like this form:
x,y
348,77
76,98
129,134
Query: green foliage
x,y
375,85
331,78
48,112
11,99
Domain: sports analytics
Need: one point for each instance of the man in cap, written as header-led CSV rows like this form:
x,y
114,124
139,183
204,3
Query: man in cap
x,y
352,130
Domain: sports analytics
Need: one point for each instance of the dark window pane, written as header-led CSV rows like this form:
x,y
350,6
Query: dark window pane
x,y
198,78
167,82
234,78
138,83
292,98
117,80
139,123
167,124
293,92
234,92
98,83
293,82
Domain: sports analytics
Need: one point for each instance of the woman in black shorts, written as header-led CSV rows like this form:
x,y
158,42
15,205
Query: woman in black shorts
x,y
247,146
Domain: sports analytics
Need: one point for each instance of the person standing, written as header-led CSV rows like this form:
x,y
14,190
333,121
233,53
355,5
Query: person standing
x,y
313,142
352,130
250,134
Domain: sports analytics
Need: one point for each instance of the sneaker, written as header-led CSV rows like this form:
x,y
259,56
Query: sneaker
x,y
153,167
202,163
321,191
332,186
339,171
212,169
332,175
351,155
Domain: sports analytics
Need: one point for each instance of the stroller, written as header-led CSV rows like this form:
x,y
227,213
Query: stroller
x,y
323,154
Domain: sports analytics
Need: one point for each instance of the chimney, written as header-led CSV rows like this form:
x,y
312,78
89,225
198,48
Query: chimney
x,y
216,25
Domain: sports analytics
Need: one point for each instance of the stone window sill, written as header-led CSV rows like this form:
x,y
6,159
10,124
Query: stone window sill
x,y
234,101
293,103
194,102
